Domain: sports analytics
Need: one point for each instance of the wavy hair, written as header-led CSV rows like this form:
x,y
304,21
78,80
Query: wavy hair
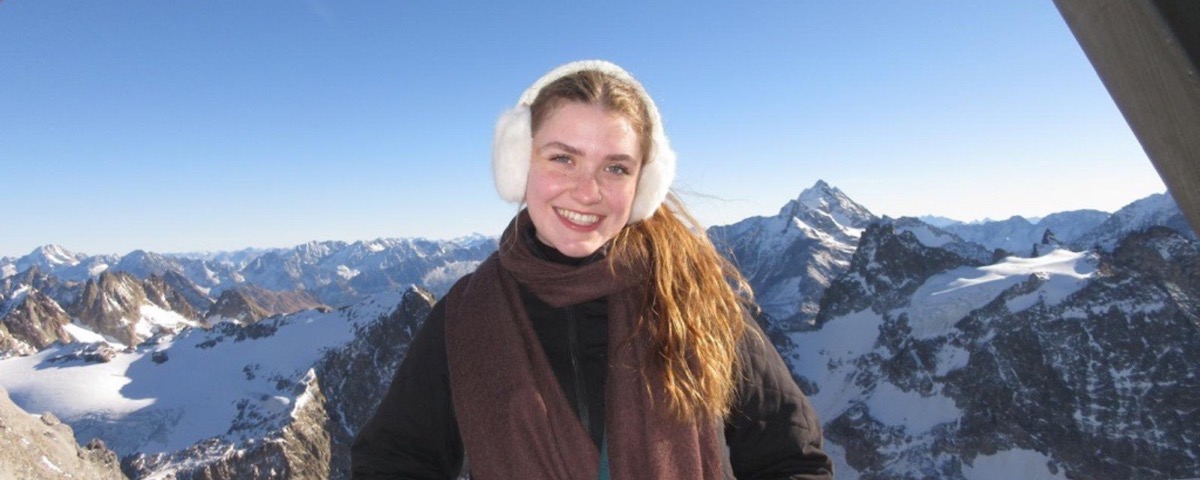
x,y
695,300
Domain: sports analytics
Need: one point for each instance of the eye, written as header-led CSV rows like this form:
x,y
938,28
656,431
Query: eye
x,y
618,169
560,158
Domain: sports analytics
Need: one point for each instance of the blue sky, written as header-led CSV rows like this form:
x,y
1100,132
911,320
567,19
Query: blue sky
x,y
181,126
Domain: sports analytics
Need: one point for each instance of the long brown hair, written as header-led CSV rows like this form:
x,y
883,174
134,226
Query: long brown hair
x,y
695,300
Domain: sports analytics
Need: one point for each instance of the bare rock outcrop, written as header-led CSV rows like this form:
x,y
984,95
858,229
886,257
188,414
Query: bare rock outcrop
x,y
33,447
33,323
248,304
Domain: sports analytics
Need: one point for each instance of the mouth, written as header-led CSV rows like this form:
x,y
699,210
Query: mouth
x,y
581,219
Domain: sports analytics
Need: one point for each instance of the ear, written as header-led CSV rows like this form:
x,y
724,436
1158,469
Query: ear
x,y
655,180
512,148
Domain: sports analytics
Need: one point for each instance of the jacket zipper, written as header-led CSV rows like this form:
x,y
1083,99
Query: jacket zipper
x,y
580,388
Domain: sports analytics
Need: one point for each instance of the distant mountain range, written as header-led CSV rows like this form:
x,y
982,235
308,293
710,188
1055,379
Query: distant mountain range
x,y
1058,348
55,295
336,272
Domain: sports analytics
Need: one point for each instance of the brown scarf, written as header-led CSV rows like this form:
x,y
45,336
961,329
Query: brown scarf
x,y
514,418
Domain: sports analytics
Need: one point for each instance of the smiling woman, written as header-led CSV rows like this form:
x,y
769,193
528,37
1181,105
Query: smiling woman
x,y
606,338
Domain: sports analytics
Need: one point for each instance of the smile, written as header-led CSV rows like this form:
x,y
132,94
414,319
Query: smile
x,y
576,217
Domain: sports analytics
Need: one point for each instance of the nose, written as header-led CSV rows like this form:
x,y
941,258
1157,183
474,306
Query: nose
x,y
587,189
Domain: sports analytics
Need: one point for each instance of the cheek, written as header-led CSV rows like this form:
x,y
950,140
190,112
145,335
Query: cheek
x,y
541,185
620,197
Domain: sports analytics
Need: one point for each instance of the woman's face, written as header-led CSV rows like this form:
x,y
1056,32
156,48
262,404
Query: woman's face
x,y
582,177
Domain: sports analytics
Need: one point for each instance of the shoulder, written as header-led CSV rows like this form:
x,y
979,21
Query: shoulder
x,y
427,353
485,272
760,364
771,426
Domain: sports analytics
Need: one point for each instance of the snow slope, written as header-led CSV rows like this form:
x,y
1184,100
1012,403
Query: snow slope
x,y
226,382
850,361
948,297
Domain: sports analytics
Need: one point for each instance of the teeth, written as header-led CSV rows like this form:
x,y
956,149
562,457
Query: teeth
x,y
580,218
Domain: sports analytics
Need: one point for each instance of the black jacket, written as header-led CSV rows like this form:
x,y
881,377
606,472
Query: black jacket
x,y
772,432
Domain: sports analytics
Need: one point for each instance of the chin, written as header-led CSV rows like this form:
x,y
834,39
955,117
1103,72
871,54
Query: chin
x,y
577,249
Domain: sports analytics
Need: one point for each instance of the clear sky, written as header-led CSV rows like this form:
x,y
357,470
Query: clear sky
x,y
178,126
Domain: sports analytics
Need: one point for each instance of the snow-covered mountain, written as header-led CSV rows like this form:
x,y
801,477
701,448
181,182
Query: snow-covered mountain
x,y
932,236
125,310
208,276
933,355
1068,365
63,263
1018,235
927,353
275,399
63,292
790,258
235,259
1157,209
31,321
938,221
49,257
141,294
196,296
338,273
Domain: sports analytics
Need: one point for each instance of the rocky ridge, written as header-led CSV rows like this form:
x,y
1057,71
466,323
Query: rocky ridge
x,y
128,310
1072,364
249,304
1156,210
34,321
44,447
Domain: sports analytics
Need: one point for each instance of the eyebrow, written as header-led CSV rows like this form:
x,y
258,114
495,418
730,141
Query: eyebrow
x,y
561,146
616,157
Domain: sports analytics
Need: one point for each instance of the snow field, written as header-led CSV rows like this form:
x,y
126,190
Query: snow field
x,y
947,297
203,384
1009,464
827,356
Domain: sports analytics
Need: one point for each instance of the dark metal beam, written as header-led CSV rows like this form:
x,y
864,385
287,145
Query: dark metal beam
x,y
1146,53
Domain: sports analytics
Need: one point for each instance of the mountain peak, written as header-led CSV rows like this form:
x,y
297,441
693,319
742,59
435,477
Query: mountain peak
x,y
819,194
52,255
830,201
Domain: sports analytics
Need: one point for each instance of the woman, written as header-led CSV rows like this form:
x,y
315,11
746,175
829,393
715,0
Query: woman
x,y
603,339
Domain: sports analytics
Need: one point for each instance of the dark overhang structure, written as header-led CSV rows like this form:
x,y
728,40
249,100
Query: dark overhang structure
x,y
1146,53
